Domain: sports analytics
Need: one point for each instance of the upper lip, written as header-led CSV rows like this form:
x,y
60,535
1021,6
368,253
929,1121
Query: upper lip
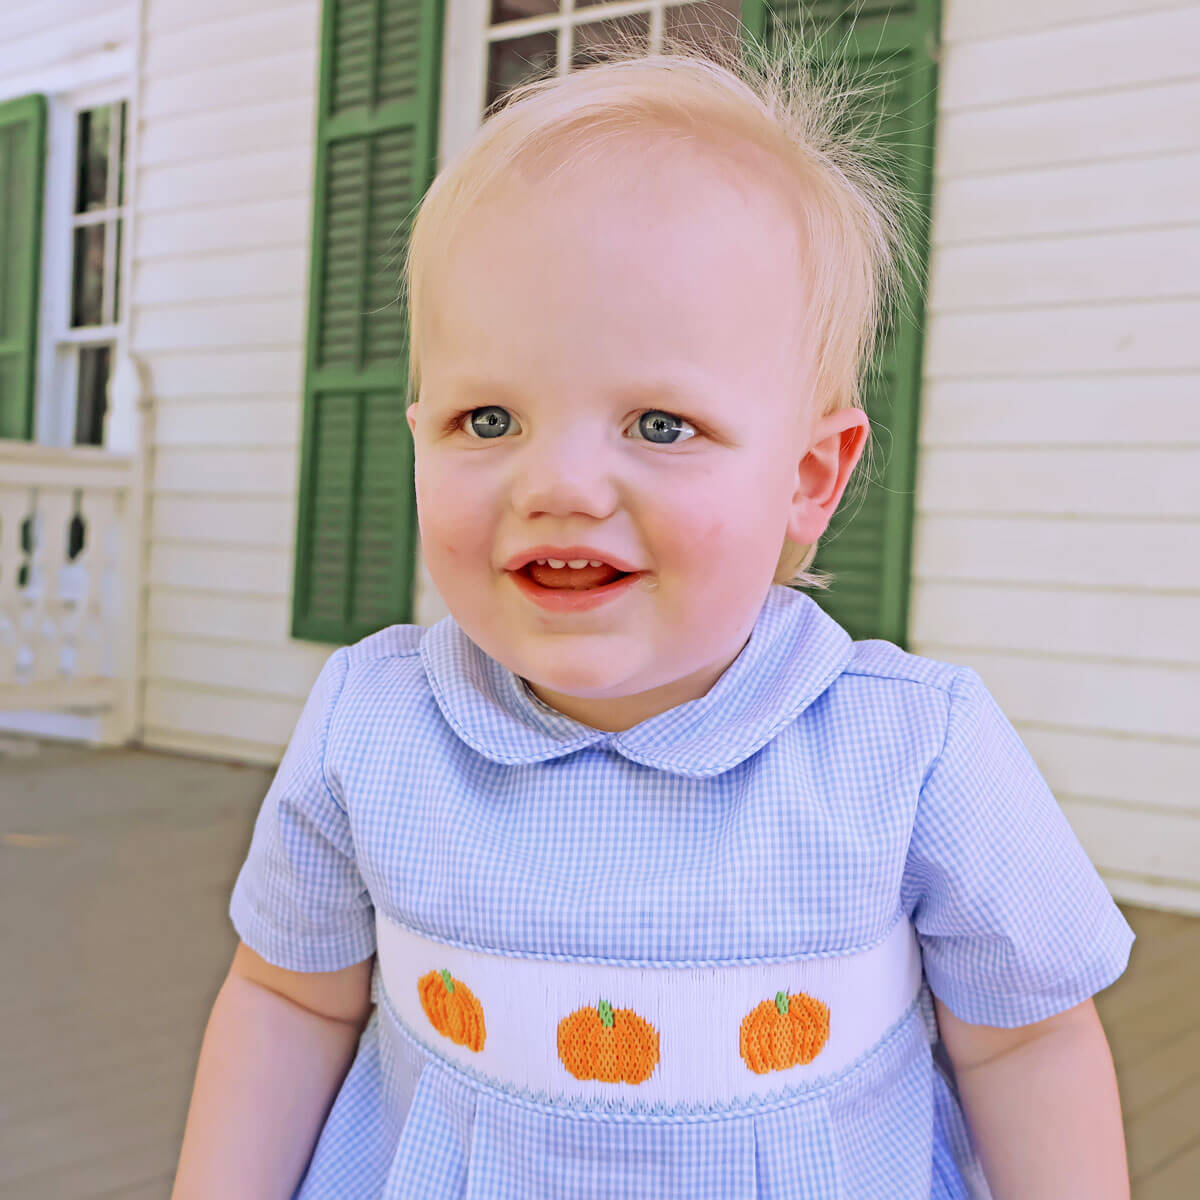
x,y
518,560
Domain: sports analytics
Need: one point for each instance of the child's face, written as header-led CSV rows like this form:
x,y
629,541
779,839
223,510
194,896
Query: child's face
x,y
572,296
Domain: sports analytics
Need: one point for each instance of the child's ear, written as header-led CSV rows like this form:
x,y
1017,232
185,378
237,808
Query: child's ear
x,y
838,440
411,414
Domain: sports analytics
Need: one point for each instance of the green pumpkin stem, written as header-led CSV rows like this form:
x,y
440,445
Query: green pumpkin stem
x,y
448,981
781,1003
606,1014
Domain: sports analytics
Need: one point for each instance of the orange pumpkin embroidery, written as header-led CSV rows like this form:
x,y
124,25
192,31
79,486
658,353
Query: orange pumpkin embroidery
x,y
452,1009
780,1033
612,1045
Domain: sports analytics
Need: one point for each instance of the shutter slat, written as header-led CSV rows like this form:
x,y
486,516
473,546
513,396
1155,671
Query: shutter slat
x,y
356,523
867,547
22,159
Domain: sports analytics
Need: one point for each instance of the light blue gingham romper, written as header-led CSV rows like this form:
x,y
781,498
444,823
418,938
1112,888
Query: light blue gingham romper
x,y
819,791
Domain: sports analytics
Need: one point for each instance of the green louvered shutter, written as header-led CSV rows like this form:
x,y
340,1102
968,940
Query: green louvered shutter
x,y
869,541
376,155
22,154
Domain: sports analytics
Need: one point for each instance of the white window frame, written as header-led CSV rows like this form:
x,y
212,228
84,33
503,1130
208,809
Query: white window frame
x,y
56,396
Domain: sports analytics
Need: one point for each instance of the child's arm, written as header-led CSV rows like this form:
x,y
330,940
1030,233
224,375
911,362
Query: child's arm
x,y
275,1052
1042,1105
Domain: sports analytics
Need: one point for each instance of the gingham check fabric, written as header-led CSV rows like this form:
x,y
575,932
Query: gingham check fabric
x,y
821,789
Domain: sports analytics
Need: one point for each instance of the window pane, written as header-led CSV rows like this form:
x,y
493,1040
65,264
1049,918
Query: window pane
x,y
87,276
121,155
91,159
116,312
92,401
514,60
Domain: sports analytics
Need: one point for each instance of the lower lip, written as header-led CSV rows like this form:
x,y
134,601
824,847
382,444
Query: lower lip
x,y
567,600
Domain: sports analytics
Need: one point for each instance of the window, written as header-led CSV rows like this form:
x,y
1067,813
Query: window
x,y
95,279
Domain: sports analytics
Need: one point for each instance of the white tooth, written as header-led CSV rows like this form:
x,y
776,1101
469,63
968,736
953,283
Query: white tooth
x,y
541,562
557,562
594,562
578,562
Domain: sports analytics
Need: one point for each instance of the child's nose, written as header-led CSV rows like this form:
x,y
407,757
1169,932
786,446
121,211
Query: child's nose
x,y
564,476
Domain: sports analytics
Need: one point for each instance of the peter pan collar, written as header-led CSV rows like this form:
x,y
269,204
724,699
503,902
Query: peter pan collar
x,y
794,653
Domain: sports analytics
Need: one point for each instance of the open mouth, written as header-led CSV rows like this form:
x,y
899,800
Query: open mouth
x,y
578,579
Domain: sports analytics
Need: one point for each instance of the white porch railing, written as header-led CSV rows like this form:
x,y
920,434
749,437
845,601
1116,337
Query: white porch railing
x,y
68,605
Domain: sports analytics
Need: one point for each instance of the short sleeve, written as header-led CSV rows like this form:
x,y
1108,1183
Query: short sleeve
x,y
1014,922
299,900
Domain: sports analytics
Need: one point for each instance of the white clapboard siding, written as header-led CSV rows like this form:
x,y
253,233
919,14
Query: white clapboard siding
x,y
1057,541
1123,624
191,137
251,275
1141,264
1143,46
280,671
233,471
210,325
246,570
232,38
63,45
269,77
183,612
222,228
248,176
1115,407
246,421
1139,193
1075,551
964,20
238,521
190,375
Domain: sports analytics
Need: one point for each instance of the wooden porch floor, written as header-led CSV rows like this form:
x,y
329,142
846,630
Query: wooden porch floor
x,y
115,873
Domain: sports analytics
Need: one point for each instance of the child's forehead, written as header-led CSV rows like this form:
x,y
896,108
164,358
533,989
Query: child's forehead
x,y
607,272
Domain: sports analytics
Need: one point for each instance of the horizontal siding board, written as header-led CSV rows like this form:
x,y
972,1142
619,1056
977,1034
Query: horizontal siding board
x,y
249,275
1102,125
1090,410
1130,482
220,714
230,749
242,37
252,571
1143,47
237,471
167,15
1144,264
22,19
234,179
256,225
1059,621
1166,845
194,137
188,613
211,325
1115,697
1137,194
1156,771
1118,337
262,81
285,671
234,373
101,29
246,421
1153,555
246,521
969,19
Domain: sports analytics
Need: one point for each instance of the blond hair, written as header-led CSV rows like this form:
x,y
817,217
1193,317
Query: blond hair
x,y
813,131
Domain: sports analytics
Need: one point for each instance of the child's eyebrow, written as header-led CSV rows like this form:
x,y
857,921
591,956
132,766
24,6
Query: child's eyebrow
x,y
673,391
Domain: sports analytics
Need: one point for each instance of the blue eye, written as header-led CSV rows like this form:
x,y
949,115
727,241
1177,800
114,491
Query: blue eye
x,y
659,426
493,423
654,425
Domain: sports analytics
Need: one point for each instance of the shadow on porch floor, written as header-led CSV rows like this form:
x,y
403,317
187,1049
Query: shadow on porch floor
x,y
115,873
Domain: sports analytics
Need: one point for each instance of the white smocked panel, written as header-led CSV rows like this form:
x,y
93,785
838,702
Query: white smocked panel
x,y
696,1011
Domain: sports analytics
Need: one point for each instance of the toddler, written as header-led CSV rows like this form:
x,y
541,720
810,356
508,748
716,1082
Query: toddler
x,y
636,877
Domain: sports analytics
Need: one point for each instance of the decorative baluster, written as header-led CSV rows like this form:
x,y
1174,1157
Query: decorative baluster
x,y
96,627
14,506
50,553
